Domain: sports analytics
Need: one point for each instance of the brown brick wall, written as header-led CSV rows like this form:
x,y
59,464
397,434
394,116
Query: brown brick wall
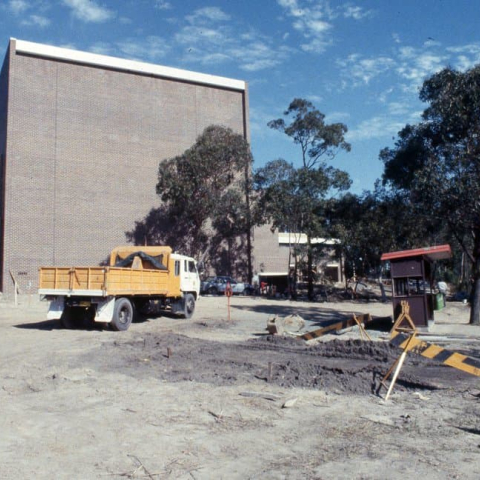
x,y
269,256
84,145
3,146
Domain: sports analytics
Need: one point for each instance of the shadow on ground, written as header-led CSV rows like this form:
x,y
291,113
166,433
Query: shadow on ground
x,y
50,325
43,325
314,314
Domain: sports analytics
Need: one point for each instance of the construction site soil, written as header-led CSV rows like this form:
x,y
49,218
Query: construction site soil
x,y
351,366
218,397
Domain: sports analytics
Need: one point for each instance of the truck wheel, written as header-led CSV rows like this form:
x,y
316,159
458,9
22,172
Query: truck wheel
x,y
69,318
189,306
77,317
122,315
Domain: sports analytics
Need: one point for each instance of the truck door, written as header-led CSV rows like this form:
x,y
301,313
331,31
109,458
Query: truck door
x,y
190,278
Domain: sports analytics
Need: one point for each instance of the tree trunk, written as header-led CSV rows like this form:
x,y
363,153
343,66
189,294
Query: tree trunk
x,y
249,254
475,299
475,294
309,267
295,277
249,225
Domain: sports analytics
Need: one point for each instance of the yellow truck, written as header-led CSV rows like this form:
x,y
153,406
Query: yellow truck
x,y
137,279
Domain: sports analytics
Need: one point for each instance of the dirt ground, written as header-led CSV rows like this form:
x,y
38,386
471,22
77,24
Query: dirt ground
x,y
218,398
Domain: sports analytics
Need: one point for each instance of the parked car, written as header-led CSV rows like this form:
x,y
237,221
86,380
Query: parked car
x,y
218,285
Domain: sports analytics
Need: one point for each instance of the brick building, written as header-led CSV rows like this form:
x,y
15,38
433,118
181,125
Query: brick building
x,y
81,138
272,259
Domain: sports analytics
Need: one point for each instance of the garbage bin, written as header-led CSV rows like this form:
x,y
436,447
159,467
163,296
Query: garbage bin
x,y
439,301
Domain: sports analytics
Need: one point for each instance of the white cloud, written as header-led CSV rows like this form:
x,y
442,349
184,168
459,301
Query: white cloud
x,y
431,43
292,7
376,127
193,36
209,58
162,5
314,98
36,20
102,48
416,65
21,7
360,71
257,55
398,108
383,96
89,11
357,13
412,65
18,6
255,65
472,48
314,20
334,117
151,48
466,56
311,23
207,15
211,37
464,63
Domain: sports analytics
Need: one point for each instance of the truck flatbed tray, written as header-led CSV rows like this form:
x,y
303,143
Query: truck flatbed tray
x,y
102,281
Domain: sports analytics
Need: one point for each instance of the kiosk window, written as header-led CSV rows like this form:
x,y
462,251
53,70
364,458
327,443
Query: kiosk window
x,y
409,286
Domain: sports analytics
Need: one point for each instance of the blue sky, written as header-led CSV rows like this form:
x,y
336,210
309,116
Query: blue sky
x,y
360,63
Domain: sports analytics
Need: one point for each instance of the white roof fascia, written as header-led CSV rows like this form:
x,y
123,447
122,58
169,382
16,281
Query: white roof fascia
x,y
301,238
65,54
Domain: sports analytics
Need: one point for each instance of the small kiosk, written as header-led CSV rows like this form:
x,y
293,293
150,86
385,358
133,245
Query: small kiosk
x,y
412,274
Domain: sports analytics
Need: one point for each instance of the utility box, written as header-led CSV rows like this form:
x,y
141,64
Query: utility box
x,y
412,273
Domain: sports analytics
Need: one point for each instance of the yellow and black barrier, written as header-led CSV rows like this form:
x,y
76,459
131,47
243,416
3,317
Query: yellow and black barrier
x,y
351,322
437,353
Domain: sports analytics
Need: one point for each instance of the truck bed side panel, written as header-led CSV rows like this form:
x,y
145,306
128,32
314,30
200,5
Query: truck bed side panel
x,y
126,281
107,281
72,278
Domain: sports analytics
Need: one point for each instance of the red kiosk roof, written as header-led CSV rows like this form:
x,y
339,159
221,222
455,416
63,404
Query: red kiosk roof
x,y
439,252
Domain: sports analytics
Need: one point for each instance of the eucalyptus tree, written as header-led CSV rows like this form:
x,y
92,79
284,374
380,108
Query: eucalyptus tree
x,y
295,197
438,162
205,195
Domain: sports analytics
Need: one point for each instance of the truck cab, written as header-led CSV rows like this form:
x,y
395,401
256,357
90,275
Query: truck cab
x,y
187,270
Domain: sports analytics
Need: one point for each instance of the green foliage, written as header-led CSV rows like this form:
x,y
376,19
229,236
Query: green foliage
x,y
193,184
295,199
309,130
440,161
204,201
373,223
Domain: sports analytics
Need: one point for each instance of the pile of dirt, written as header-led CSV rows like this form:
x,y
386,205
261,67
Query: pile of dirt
x,y
351,366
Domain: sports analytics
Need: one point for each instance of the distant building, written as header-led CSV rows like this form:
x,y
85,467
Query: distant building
x,y
273,260
81,138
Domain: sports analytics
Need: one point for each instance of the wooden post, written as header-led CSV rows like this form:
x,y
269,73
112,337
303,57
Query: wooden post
x,y
16,292
397,365
395,375
228,294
